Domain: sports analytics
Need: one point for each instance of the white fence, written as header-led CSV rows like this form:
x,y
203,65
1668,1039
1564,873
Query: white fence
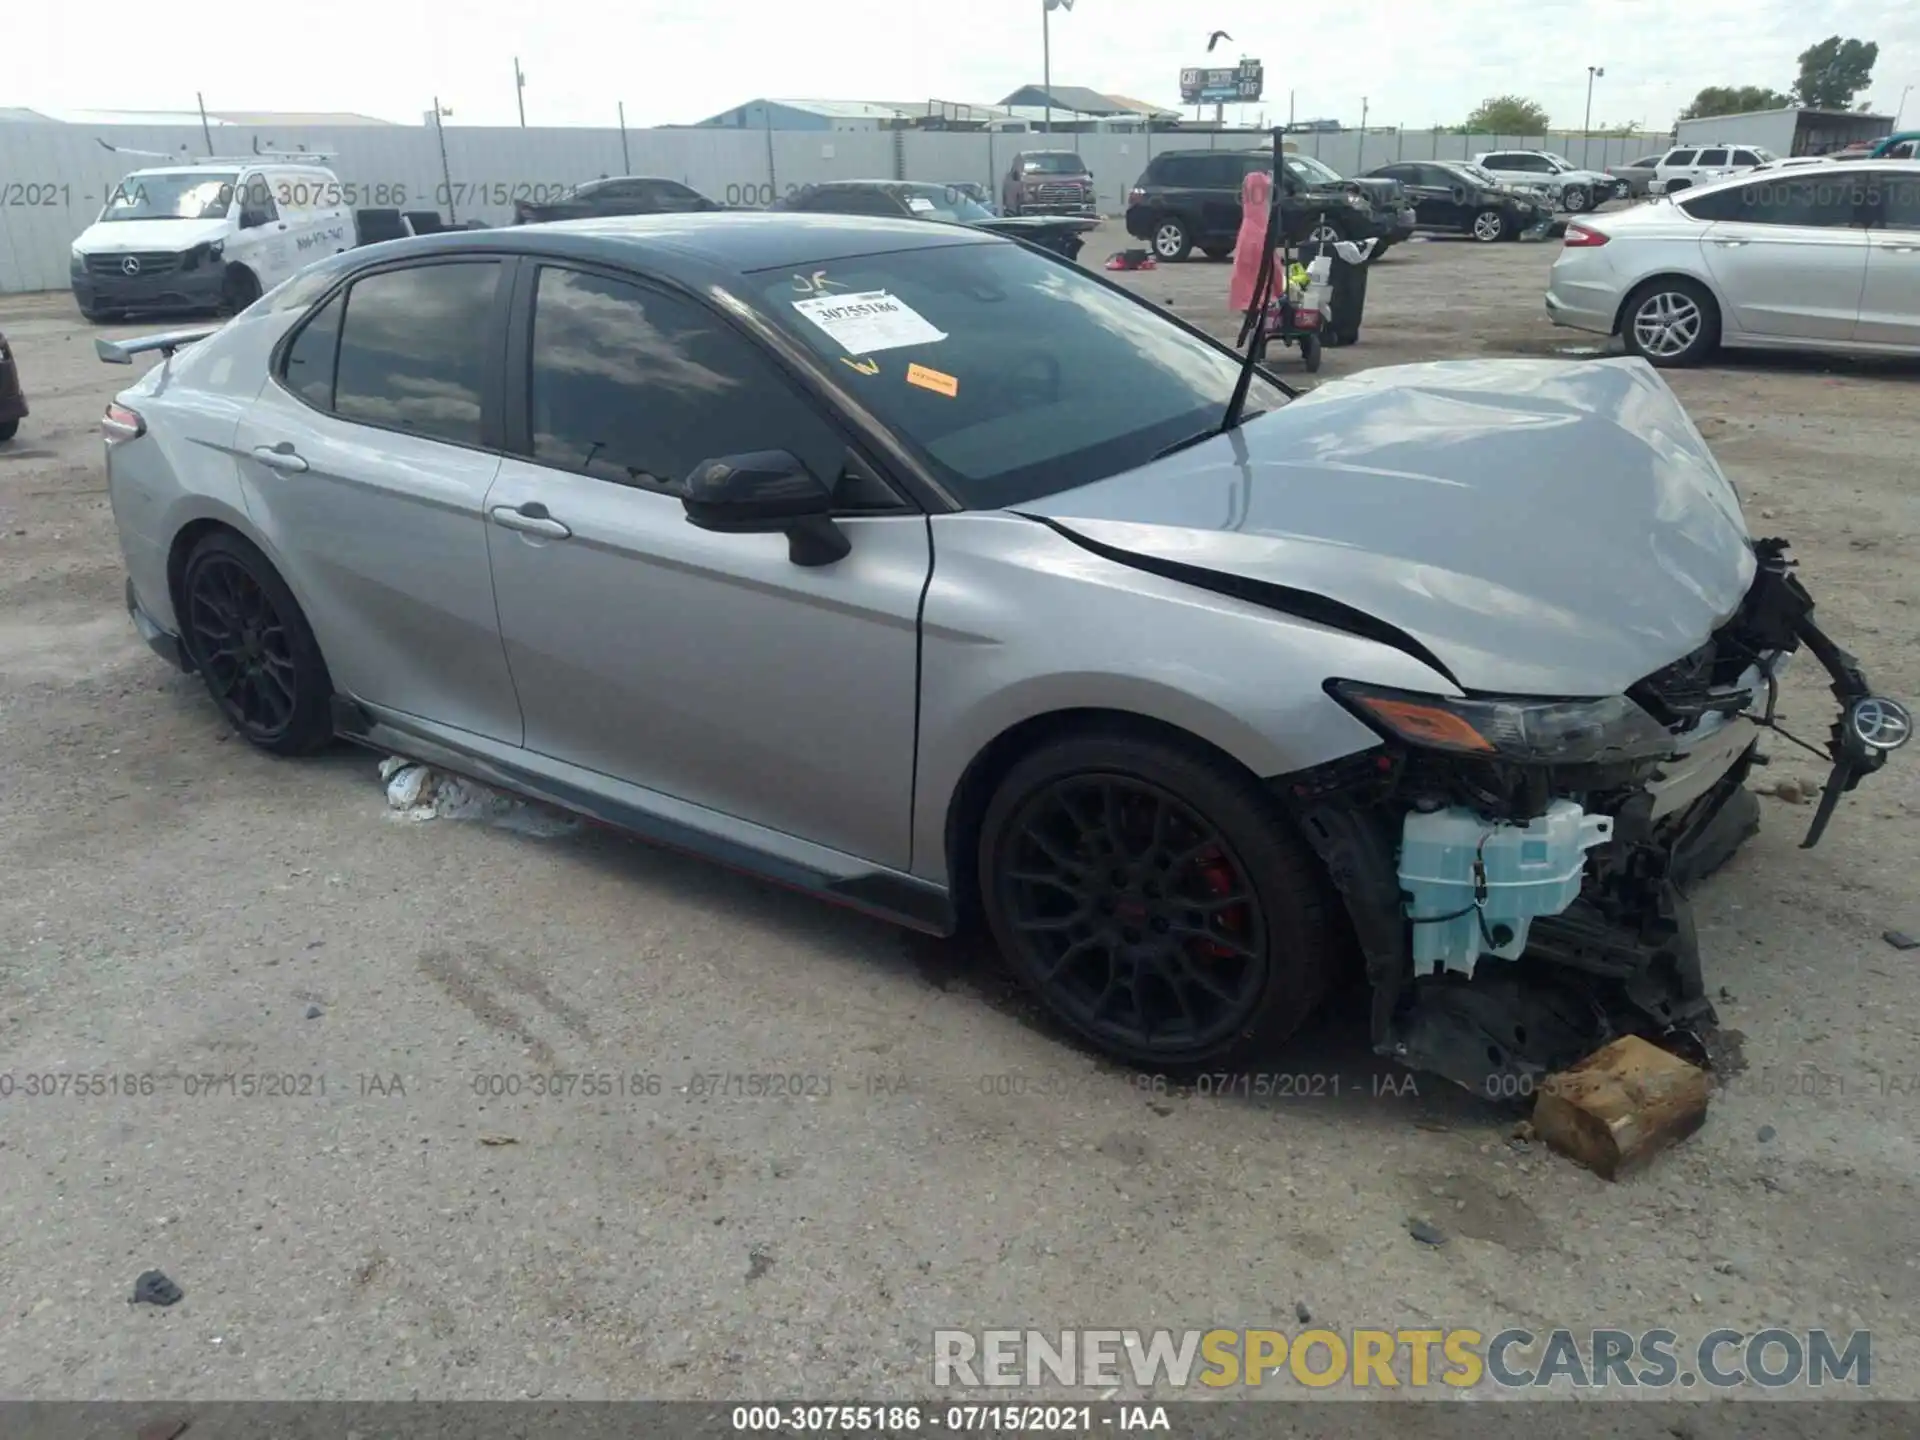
x,y
54,178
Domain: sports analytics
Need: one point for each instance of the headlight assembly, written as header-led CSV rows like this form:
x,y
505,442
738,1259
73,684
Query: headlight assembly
x,y
1524,731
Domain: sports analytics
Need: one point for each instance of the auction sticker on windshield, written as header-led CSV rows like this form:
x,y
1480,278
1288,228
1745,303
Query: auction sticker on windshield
x,y
872,320
920,203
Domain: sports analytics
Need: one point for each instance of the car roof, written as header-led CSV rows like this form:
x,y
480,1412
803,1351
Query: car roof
x,y
696,247
1730,182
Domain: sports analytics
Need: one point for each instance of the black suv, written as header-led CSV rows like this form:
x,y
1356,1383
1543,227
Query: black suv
x,y
1191,198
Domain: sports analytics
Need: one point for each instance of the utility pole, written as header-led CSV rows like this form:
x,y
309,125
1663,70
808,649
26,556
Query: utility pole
x,y
206,131
446,171
1360,161
520,91
1594,72
1047,7
626,165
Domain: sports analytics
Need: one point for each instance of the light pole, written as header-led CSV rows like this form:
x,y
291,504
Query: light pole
x,y
1594,72
520,91
1047,7
446,171
1908,90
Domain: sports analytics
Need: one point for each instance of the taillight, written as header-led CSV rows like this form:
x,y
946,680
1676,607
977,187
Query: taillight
x,y
120,423
1581,238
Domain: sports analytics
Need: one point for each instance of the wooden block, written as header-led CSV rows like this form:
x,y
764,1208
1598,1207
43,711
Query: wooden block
x,y
1621,1106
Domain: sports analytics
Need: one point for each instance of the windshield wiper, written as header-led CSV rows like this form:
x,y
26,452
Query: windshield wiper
x,y
1262,289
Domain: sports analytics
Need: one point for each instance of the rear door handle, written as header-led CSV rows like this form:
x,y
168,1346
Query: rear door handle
x,y
1729,244
280,457
1901,249
530,519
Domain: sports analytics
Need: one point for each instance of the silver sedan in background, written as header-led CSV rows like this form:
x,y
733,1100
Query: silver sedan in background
x,y
1816,258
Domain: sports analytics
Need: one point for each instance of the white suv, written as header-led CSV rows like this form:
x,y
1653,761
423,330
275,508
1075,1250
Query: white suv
x,y
1691,164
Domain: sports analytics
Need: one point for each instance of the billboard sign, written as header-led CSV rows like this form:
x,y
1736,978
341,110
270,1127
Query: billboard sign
x,y
1240,84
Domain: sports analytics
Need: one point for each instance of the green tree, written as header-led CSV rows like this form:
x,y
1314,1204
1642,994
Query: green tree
x,y
1734,100
1507,115
1834,71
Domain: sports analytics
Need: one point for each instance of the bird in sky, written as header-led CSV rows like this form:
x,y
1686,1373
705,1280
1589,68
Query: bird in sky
x,y
1215,38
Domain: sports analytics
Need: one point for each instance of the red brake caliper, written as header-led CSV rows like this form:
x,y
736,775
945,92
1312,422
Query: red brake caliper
x,y
1217,873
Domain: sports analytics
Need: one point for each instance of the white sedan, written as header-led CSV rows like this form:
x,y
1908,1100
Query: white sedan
x,y
1820,258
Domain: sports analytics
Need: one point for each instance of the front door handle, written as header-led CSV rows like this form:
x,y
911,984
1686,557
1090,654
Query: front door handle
x,y
280,457
1729,244
530,519
1900,249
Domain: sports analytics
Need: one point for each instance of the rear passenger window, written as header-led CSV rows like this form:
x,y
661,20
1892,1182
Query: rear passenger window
x,y
308,368
412,347
1713,157
1680,157
1824,202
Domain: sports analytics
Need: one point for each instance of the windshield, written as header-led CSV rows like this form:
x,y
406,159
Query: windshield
x,y
945,202
1010,374
179,195
1311,171
1057,162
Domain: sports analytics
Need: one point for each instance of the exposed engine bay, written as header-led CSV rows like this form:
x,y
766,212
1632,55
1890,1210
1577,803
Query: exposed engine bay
x,y
1517,872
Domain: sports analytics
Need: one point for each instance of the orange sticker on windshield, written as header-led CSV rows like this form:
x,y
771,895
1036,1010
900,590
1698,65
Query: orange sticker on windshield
x,y
934,380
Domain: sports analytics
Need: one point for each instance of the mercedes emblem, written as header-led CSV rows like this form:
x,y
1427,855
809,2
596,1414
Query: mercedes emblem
x,y
1880,724
130,265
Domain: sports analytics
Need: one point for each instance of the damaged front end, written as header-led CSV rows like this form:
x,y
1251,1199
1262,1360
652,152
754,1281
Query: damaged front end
x,y
1517,870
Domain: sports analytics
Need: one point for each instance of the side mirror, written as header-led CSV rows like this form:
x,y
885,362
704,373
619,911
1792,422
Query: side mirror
x,y
766,492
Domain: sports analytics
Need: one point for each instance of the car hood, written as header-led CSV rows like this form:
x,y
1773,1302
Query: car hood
x,y
1542,528
116,237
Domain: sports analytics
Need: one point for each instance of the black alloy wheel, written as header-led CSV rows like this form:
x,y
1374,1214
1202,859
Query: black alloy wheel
x,y
253,648
1156,906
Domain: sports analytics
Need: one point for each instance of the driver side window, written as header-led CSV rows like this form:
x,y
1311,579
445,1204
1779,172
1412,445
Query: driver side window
x,y
636,387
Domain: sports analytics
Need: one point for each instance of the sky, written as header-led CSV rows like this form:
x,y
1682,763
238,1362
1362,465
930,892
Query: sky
x,y
1412,62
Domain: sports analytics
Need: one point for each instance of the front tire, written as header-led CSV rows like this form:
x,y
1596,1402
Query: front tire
x,y
249,642
1154,899
1671,322
239,289
1171,241
1577,200
1491,225
8,429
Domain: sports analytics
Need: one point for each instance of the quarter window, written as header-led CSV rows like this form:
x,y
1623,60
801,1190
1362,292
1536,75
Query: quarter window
x,y
1680,157
308,369
636,387
411,349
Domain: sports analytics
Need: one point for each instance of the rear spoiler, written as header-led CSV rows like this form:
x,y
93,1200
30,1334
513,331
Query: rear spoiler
x,y
121,352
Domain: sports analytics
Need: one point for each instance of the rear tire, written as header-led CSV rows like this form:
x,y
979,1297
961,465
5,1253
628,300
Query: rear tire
x,y
248,641
1310,353
1670,322
1171,240
8,429
1577,199
1123,875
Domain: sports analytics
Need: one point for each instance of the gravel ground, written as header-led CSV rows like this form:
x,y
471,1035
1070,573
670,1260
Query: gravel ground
x,y
176,904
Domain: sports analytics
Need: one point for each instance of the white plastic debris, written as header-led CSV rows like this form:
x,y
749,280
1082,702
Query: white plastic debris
x,y
419,792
